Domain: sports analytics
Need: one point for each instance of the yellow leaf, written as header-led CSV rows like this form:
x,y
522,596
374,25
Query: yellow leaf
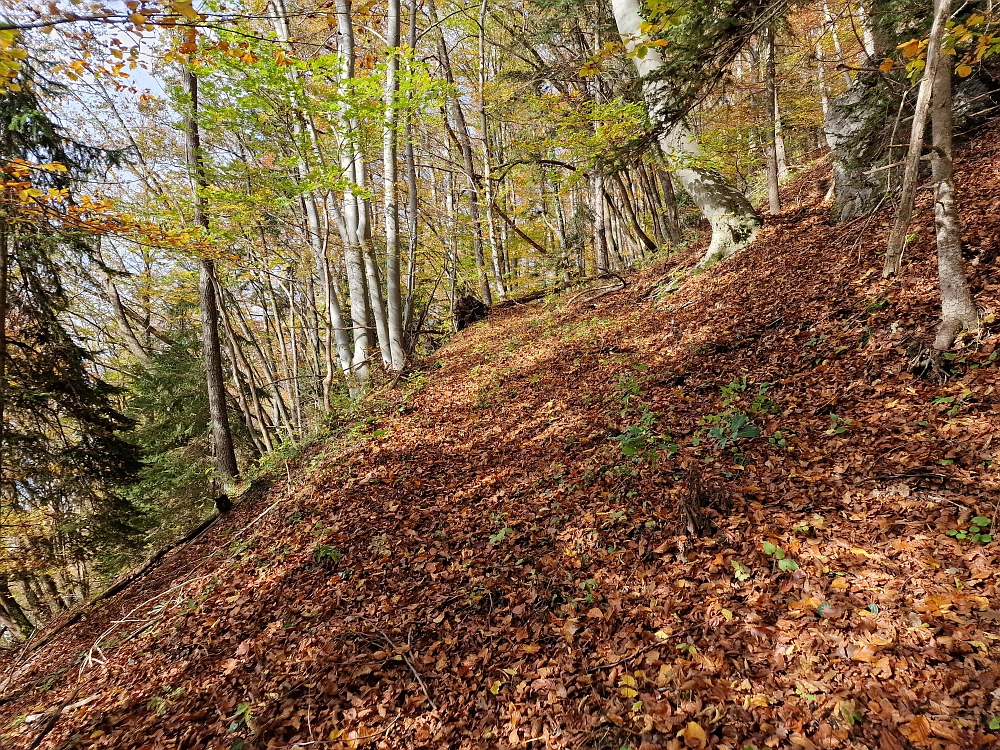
x,y
963,70
694,736
917,730
840,584
137,18
728,615
629,692
495,687
628,680
910,48
186,9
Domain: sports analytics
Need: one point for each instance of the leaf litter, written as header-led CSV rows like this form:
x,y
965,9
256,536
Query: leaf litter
x,y
711,510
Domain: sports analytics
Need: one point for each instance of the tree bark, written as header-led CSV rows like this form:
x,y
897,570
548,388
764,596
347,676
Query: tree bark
x,y
465,145
733,219
770,140
488,197
412,205
904,211
393,292
22,626
353,206
633,218
225,453
958,311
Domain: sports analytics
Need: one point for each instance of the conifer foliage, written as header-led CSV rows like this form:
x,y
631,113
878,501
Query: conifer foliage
x,y
62,450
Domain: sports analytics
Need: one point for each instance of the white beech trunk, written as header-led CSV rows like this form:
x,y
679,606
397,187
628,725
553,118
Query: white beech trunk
x,y
770,141
734,221
393,293
958,311
488,197
353,206
831,23
336,340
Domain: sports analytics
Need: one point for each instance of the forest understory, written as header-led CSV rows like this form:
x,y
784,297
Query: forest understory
x,y
525,548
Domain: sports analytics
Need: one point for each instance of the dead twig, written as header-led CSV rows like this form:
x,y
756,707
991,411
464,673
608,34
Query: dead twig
x,y
630,657
413,668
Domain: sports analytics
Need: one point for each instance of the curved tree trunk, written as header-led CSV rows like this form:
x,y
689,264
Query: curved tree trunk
x,y
734,221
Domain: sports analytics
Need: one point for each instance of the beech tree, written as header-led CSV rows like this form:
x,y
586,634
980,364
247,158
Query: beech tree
x,y
734,221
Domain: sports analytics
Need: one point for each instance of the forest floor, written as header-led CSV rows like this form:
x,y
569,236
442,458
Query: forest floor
x,y
502,557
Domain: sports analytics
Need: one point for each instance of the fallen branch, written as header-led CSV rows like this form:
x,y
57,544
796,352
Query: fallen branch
x,y
53,719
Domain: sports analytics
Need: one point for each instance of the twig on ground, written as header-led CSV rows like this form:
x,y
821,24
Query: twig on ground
x,y
413,669
630,657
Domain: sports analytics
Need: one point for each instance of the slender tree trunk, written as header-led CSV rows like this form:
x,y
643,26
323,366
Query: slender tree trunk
x,y
908,191
238,357
465,145
867,36
488,197
23,626
225,453
56,600
770,147
353,206
673,216
836,40
412,206
633,218
824,96
132,342
733,219
394,297
958,311
779,141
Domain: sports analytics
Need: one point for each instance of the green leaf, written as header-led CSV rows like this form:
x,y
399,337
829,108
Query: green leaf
x,y
788,565
995,722
981,521
769,549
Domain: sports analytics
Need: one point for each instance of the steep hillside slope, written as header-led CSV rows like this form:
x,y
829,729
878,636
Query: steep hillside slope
x,y
503,558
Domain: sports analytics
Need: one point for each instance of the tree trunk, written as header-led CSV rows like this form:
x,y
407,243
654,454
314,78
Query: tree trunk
x,y
733,219
836,40
779,142
56,600
34,603
958,311
225,453
904,211
465,145
770,135
488,198
633,218
22,625
393,292
412,206
353,206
